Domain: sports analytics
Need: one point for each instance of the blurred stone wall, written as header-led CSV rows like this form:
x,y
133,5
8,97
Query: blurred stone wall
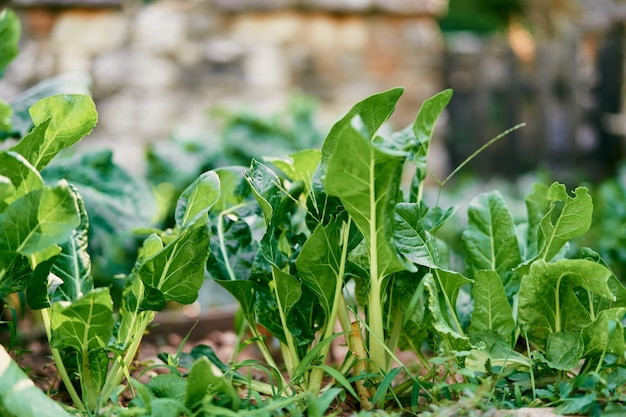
x,y
158,68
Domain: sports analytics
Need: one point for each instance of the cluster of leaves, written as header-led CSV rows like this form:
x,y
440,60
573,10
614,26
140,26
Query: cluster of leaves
x,y
43,254
320,240
519,310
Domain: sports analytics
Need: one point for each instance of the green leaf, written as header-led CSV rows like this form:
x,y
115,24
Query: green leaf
x,y
10,30
605,333
265,186
73,266
442,297
6,188
410,236
71,117
424,126
177,270
5,118
537,205
74,83
41,283
564,350
568,217
85,324
299,166
39,219
366,176
288,290
490,239
203,381
492,311
19,397
496,355
234,189
172,386
616,286
243,291
197,199
24,177
546,298
131,315
319,264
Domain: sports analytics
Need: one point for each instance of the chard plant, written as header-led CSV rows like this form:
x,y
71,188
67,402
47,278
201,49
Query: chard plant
x,y
288,245
322,246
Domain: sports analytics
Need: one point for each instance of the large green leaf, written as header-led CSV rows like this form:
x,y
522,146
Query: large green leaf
x,y
492,312
197,199
177,270
9,36
319,264
71,116
490,239
547,303
19,397
568,217
39,219
366,176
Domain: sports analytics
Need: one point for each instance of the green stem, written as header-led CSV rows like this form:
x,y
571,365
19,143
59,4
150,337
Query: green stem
x,y
58,361
557,306
317,374
267,355
374,311
117,372
293,360
377,352
482,148
220,236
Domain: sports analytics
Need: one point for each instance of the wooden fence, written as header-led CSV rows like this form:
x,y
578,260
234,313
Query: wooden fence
x,y
570,103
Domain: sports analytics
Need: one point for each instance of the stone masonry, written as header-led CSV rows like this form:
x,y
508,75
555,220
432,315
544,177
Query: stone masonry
x,y
158,68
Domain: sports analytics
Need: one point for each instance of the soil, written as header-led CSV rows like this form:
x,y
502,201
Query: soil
x,y
33,355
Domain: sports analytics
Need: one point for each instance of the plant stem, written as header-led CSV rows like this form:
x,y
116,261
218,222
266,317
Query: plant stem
x,y
58,361
220,237
291,359
267,355
116,374
358,350
482,148
317,374
374,309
